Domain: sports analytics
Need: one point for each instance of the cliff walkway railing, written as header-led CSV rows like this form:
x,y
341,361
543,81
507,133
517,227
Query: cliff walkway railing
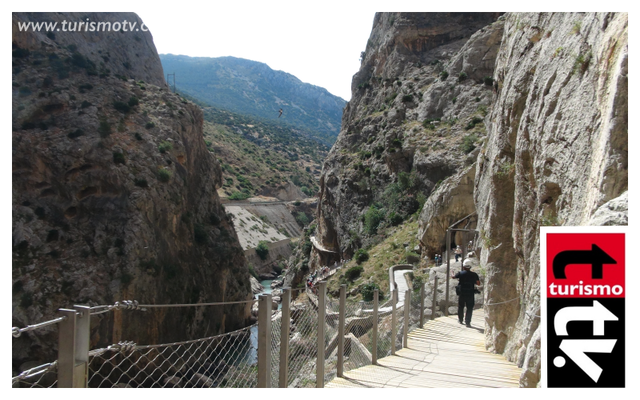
x,y
297,346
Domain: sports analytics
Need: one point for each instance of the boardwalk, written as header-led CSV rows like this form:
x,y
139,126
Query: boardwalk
x,y
442,354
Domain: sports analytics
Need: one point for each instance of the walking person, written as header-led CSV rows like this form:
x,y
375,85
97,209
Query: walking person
x,y
458,252
465,291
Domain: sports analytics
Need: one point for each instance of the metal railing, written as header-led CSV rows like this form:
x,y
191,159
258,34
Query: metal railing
x,y
301,345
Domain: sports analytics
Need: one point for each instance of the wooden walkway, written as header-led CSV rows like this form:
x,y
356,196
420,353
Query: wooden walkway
x,y
442,354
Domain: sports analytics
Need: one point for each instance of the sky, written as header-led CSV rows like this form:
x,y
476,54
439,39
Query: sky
x,y
318,42
320,46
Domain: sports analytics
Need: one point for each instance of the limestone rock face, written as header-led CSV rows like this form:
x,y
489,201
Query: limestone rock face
x,y
114,198
415,117
128,52
556,151
522,120
613,212
450,202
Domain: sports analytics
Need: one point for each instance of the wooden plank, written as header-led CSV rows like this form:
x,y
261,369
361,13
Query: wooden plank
x,y
442,354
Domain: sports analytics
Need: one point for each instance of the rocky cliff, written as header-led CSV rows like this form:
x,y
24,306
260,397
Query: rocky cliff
x,y
557,150
415,118
114,193
519,120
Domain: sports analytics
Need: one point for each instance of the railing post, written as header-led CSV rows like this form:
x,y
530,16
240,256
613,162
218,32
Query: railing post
x,y
422,305
435,297
394,322
446,288
322,292
407,317
83,334
374,341
284,337
264,334
67,349
341,317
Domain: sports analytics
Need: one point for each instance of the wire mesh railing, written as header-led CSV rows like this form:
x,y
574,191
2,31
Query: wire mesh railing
x,y
232,360
303,346
226,360
42,376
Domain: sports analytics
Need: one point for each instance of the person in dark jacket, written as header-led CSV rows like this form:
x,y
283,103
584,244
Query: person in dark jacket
x,y
467,280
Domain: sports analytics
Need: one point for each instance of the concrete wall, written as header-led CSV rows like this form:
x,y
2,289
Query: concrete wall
x,y
277,251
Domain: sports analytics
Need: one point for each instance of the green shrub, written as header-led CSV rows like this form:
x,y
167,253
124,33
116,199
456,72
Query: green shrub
x,y
372,219
262,250
361,256
164,175
462,76
239,196
165,146
395,218
149,125
85,104
118,158
122,107
368,290
468,143
417,282
141,182
302,219
253,272
404,180
407,98
133,101
488,80
353,273
104,129
390,98
444,75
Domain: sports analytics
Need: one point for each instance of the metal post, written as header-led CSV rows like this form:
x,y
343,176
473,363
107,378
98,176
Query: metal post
x,y
394,328
374,345
341,316
264,334
284,337
422,305
446,288
66,348
83,334
322,293
435,297
407,316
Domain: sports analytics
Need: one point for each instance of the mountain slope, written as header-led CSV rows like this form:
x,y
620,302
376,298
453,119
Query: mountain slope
x,y
250,87
260,158
113,195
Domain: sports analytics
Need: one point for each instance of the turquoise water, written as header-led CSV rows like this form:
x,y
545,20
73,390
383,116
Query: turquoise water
x,y
252,355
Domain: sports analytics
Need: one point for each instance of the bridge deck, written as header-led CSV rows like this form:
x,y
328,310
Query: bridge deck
x,y
442,354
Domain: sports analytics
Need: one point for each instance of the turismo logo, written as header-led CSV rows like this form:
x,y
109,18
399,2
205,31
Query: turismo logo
x,y
585,309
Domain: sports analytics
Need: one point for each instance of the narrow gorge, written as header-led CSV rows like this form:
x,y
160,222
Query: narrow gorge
x,y
125,188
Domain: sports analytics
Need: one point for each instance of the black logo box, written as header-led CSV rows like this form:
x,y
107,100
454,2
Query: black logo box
x,y
612,364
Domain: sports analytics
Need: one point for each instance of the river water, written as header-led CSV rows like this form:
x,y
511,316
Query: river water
x,y
252,355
